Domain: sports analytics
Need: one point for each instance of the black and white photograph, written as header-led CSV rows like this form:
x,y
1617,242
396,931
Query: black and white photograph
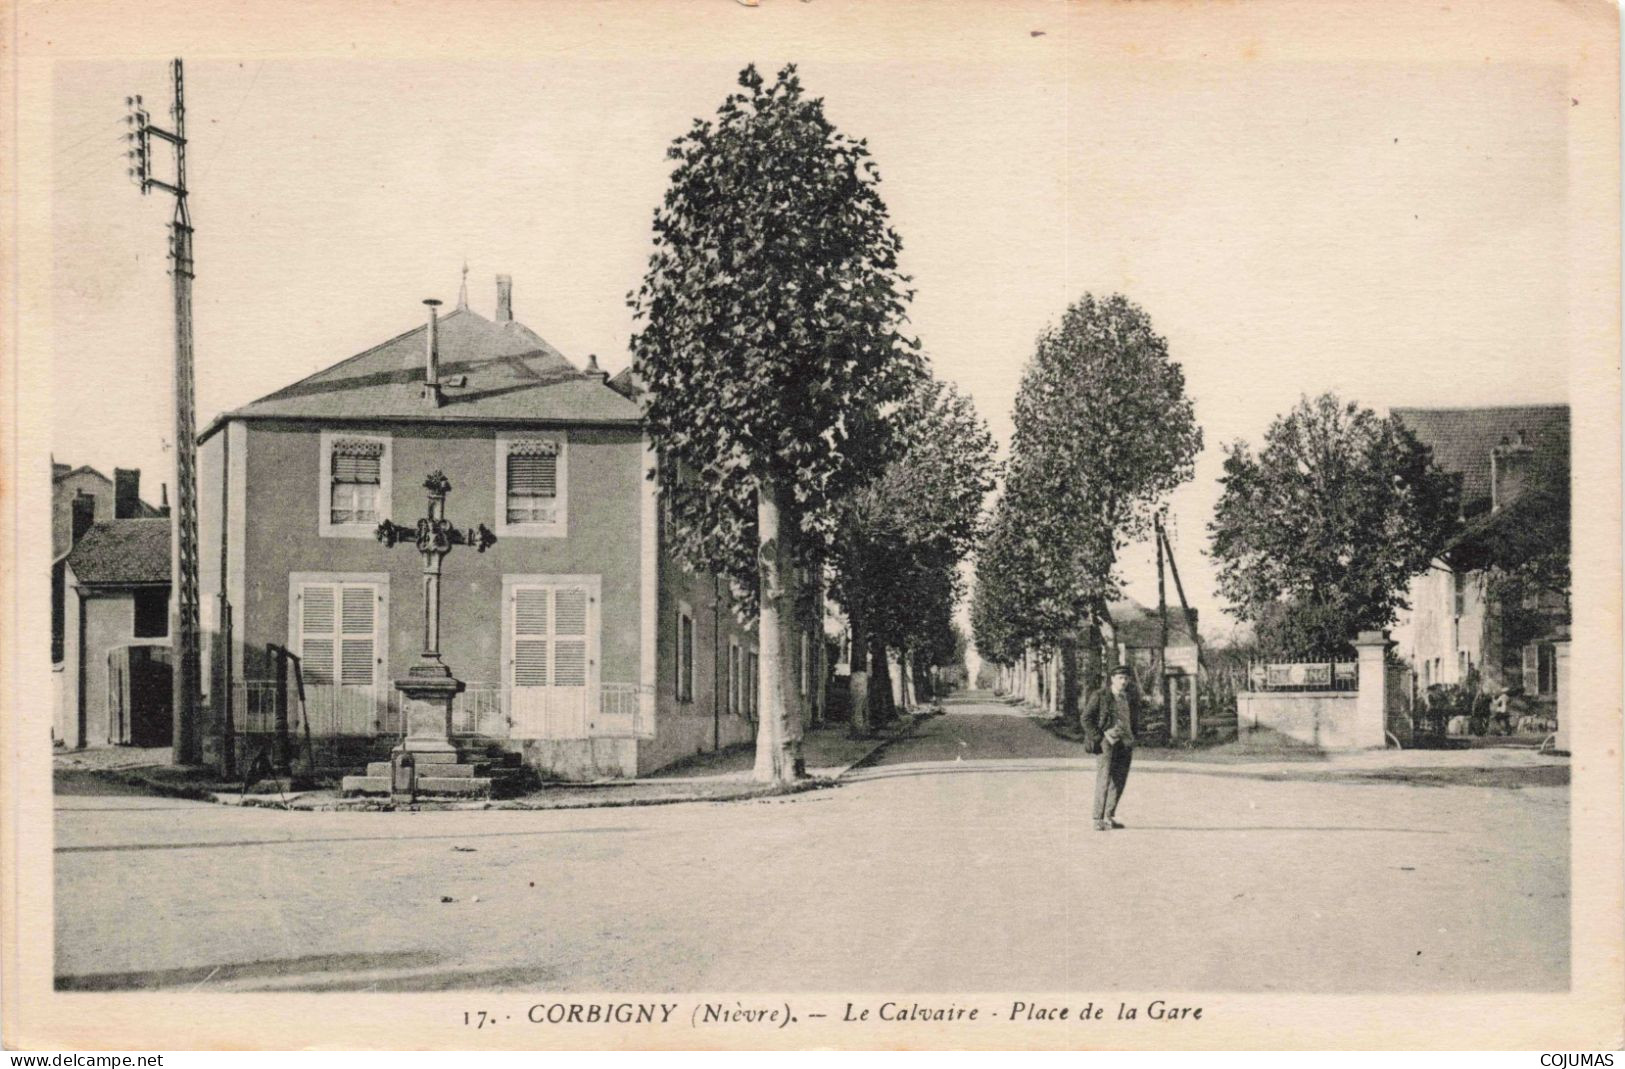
x,y
813,524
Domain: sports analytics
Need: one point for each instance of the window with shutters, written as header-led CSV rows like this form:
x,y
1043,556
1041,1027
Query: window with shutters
x,y
806,664
735,667
1546,665
531,481
336,632
354,484
685,653
752,688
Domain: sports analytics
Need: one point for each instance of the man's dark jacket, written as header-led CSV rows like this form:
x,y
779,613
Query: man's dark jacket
x,y
1100,713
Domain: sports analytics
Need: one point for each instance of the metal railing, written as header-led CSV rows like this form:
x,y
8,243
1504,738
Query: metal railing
x,y
1303,675
482,710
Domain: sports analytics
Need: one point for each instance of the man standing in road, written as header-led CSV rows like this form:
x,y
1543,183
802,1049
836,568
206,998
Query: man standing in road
x,y
1108,724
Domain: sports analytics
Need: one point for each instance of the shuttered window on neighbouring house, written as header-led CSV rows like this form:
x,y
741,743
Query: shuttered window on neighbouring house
x,y
532,481
733,678
685,656
356,474
806,664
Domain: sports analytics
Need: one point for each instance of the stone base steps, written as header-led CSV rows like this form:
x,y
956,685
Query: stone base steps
x,y
443,786
446,774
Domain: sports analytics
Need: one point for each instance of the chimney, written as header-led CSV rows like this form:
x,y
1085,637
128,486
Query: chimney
x,y
431,371
163,499
504,298
593,369
84,514
126,493
1509,470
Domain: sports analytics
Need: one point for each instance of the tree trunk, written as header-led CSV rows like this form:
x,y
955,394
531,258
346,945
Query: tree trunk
x,y
882,703
1094,665
858,662
817,649
778,729
1069,677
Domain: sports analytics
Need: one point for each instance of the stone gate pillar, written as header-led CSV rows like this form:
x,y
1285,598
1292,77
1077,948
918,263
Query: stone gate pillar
x,y
1565,702
1371,700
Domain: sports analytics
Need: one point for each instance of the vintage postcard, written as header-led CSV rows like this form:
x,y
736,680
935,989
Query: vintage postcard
x,y
812,523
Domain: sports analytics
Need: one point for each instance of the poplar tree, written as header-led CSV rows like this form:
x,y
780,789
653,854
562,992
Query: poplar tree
x,y
1103,433
902,537
769,343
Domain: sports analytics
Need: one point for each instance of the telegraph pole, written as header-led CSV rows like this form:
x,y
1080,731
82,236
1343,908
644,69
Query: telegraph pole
x,y
187,690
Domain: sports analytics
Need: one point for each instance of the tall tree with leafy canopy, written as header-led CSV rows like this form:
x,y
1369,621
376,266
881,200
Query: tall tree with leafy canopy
x,y
1319,534
901,538
1103,433
769,344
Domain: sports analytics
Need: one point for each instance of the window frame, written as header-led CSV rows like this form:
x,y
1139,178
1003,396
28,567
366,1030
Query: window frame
x,y
558,527
804,676
325,525
736,669
135,612
684,683
379,582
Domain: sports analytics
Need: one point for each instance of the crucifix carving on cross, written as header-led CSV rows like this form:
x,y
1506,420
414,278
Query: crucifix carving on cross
x,y
429,687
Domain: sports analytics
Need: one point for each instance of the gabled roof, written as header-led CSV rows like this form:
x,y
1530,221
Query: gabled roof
x,y
511,374
1462,438
122,553
1139,627
63,471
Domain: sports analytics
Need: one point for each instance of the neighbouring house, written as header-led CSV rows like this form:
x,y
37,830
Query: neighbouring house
x,y
115,673
584,645
1137,632
73,491
1454,632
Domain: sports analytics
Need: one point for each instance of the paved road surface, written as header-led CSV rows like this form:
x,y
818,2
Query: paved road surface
x,y
964,860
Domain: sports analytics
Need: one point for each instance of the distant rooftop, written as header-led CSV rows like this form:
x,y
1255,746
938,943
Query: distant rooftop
x,y
123,553
1462,438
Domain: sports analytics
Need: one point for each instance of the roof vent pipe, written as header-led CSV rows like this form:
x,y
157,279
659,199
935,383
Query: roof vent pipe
x,y
431,371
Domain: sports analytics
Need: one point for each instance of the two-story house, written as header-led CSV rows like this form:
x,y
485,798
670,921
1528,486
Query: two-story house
x,y
1453,631
584,646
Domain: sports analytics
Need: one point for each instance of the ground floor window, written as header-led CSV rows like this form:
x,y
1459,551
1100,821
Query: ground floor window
x,y
151,614
1547,674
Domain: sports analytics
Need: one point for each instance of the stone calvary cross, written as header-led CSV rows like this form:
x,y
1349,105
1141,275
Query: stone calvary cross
x,y
429,688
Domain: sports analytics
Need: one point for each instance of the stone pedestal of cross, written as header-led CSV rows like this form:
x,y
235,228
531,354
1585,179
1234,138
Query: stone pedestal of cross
x,y
429,689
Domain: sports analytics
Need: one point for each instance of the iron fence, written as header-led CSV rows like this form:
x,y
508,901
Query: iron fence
x,y
482,710
1319,675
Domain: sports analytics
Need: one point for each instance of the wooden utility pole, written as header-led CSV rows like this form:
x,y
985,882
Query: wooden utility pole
x,y
1190,622
187,690
1162,649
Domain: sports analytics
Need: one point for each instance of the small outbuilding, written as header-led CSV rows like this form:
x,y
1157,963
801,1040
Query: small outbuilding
x,y
116,651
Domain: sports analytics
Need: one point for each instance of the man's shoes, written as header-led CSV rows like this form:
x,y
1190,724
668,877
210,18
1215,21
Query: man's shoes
x,y
1105,825
1115,823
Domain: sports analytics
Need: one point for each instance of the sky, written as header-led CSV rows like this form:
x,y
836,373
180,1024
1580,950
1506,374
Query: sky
x,y
1296,213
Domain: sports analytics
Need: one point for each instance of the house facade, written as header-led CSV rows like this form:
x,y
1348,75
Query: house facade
x,y
582,643
1453,633
113,684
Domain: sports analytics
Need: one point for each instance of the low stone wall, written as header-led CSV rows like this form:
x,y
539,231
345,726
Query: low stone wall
x,y
1324,718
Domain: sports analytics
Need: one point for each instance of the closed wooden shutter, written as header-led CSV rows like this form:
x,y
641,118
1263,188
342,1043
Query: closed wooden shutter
x,y
318,627
570,637
530,636
338,634
358,635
